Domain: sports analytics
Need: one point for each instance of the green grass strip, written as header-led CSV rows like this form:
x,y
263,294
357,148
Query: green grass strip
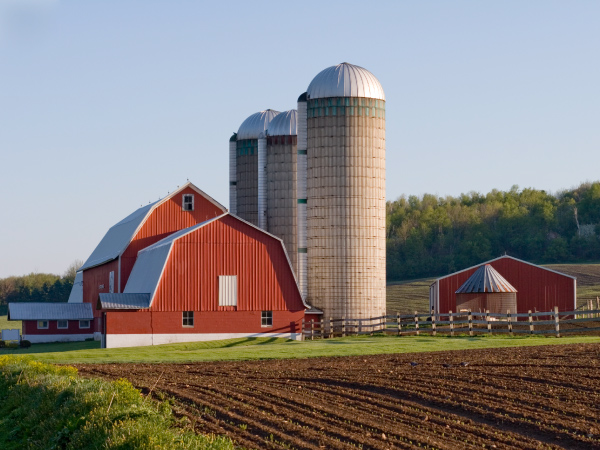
x,y
48,407
272,348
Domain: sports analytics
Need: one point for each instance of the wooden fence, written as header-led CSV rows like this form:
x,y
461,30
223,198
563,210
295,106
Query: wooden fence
x,y
464,322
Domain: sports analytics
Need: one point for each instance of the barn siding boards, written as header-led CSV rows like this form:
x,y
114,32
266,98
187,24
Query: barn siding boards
x,y
205,322
537,288
346,214
165,219
95,282
227,246
281,193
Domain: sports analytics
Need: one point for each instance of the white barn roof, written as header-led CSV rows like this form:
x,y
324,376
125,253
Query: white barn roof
x,y
118,237
76,295
50,311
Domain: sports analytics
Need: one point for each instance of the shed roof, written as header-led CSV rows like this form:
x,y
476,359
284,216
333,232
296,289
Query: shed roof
x,y
50,311
502,257
485,279
124,301
118,237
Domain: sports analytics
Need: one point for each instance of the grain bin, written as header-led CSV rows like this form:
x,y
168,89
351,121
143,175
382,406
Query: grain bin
x,y
345,116
250,176
486,290
281,181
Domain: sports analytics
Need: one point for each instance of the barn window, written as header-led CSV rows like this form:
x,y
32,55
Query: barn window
x,y
266,319
188,319
42,324
228,290
111,282
84,324
188,202
62,324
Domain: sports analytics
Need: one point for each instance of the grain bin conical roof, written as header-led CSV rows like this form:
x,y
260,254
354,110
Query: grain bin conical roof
x,y
485,279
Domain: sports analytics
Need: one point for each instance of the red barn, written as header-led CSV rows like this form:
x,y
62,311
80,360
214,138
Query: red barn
x,y
220,279
109,266
538,288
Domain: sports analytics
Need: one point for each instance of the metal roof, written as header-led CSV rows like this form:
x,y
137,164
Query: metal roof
x,y
124,301
50,311
485,279
256,124
345,80
76,295
284,124
118,237
500,257
151,261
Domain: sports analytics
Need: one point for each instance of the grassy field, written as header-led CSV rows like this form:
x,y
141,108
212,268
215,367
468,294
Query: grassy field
x,y
5,324
265,348
410,296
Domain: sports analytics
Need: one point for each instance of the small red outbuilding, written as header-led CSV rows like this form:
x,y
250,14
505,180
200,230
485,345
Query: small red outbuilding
x,y
539,288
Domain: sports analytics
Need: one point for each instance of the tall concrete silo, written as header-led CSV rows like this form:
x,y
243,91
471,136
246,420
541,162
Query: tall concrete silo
x,y
281,181
249,166
345,179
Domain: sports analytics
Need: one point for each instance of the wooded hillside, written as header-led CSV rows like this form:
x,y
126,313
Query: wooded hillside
x,y
431,236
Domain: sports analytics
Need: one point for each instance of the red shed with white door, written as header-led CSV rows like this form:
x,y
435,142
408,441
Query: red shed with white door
x,y
220,279
538,288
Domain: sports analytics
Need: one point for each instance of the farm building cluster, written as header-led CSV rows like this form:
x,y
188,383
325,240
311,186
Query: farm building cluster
x,y
304,238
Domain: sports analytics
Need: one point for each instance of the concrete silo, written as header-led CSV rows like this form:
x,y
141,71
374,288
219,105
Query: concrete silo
x,y
249,166
344,112
281,181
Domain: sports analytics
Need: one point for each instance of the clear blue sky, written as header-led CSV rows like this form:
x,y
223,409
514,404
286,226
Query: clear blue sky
x,y
107,105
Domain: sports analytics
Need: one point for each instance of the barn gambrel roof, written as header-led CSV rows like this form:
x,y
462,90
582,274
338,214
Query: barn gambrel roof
x,y
50,311
502,257
76,295
150,264
118,237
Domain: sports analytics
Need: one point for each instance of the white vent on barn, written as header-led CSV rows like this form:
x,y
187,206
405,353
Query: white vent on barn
x,y
188,202
228,290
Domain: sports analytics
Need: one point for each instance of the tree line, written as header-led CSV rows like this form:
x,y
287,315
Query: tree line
x,y
433,236
38,287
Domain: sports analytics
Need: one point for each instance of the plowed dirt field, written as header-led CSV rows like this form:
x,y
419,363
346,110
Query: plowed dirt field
x,y
512,398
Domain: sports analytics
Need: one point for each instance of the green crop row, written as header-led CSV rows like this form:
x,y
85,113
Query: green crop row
x,y
43,406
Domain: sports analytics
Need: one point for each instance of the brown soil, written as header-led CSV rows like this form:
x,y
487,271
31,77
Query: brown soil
x,y
513,398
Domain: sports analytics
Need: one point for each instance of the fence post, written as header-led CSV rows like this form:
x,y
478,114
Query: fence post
x,y
487,321
530,323
556,324
312,329
343,326
417,322
510,330
451,320
399,324
470,323
302,330
433,329
331,327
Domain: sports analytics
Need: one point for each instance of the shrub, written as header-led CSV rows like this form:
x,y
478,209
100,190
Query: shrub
x,y
25,343
2,344
11,344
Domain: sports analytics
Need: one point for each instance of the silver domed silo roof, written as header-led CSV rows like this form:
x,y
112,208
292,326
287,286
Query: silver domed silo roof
x,y
256,124
284,124
345,80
